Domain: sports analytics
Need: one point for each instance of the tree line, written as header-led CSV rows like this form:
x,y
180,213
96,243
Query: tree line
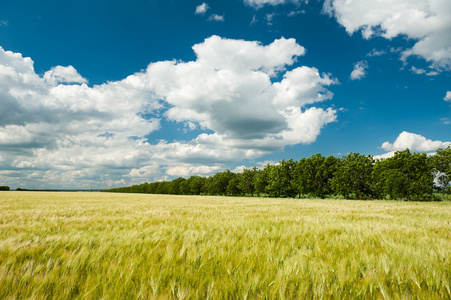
x,y
405,176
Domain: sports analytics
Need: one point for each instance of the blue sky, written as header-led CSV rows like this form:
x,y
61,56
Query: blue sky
x,y
113,93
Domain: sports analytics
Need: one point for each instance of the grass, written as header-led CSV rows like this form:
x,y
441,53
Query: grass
x,y
135,246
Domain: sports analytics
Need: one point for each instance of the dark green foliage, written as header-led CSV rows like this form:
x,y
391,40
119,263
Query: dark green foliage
x,y
196,185
312,175
280,179
353,178
217,185
247,181
233,187
4,188
262,180
406,176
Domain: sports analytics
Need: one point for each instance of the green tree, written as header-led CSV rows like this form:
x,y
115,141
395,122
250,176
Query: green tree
x,y
174,187
233,186
280,179
247,180
217,184
312,175
406,176
261,180
442,165
196,185
4,188
353,178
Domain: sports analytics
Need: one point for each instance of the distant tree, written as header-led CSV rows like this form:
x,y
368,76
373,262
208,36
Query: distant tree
x,y
184,187
175,186
406,175
261,180
196,185
247,180
162,188
353,178
217,185
312,175
441,162
233,187
4,188
280,179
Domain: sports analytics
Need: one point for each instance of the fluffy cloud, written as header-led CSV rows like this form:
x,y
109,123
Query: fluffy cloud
x,y
49,128
228,89
414,142
216,18
61,74
56,128
190,170
426,21
447,96
201,9
359,70
260,3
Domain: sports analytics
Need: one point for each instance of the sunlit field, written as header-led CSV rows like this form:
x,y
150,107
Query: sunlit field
x,y
137,246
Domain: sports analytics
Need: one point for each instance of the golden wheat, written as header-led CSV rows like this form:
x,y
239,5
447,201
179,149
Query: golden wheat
x,y
134,246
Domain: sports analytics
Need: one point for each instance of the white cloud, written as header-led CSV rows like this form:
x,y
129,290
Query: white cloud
x,y
61,74
189,170
47,125
420,71
428,22
216,18
302,86
295,13
385,155
202,9
359,70
417,71
254,20
260,3
145,172
52,130
375,52
228,88
447,96
414,142
432,73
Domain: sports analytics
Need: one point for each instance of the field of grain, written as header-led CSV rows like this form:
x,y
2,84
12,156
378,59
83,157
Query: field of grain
x,y
135,246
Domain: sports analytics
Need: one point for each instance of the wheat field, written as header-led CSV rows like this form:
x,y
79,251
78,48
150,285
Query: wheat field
x,y
135,246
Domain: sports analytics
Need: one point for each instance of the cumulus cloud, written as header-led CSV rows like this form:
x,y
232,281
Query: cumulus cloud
x,y
190,170
202,9
425,21
359,70
414,142
260,3
376,52
417,71
447,96
228,88
50,127
216,18
61,74
420,71
56,128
